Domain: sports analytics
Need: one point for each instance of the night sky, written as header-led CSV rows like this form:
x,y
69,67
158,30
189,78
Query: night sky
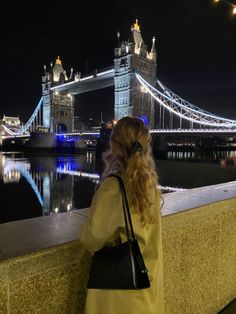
x,y
195,42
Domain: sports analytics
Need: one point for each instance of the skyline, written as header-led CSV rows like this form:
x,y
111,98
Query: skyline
x,y
194,42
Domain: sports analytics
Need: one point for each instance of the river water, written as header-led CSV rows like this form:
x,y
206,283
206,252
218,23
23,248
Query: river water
x,y
34,185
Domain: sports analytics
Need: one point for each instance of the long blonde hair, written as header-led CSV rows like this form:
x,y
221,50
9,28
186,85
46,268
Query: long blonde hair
x,y
130,156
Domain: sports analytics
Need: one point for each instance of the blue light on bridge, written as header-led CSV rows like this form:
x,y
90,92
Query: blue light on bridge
x,y
61,138
144,119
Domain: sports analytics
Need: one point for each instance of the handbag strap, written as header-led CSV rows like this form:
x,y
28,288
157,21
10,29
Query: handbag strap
x,y
126,210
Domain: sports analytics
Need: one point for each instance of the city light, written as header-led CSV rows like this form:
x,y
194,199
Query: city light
x,y
228,3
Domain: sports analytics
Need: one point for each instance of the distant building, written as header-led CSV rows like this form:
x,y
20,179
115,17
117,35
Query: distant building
x,y
11,121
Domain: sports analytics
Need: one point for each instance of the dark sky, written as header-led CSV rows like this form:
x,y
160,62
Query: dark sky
x,y
196,46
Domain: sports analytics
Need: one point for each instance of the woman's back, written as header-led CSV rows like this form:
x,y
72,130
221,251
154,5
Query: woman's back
x,y
106,227
129,157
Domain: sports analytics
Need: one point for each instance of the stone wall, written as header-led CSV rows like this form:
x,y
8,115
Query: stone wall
x,y
49,281
199,263
200,258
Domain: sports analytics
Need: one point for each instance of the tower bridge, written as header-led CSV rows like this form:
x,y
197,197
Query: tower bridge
x,y
137,90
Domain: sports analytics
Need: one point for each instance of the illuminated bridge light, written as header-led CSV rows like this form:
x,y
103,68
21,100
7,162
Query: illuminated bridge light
x,y
163,96
184,110
105,72
193,131
26,127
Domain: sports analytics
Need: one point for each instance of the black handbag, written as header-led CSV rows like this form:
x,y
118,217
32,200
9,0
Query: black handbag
x,y
121,266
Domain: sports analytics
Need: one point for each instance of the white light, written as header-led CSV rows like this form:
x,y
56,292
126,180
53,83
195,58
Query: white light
x,y
189,106
86,78
143,89
56,210
234,10
105,72
182,131
170,189
28,123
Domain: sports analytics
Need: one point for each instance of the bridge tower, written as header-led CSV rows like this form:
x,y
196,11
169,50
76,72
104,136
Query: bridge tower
x,y
58,107
132,56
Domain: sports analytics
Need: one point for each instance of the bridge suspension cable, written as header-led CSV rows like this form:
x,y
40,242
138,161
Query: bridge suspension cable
x,y
183,109
33,120
177,98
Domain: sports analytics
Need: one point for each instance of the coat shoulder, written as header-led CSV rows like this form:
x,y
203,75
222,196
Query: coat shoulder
x,y
110,183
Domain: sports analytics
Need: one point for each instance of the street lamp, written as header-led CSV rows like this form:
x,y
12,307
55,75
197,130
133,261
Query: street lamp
x,y
229,3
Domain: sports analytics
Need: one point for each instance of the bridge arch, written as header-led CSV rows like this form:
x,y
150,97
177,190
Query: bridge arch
x,y
61,128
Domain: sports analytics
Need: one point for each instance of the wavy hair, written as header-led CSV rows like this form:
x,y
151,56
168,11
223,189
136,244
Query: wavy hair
x,y
130,156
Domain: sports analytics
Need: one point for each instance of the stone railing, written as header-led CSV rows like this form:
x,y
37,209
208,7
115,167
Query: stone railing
x,y
43,269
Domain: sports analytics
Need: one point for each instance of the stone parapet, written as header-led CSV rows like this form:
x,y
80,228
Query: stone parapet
x,y
43,269
200,258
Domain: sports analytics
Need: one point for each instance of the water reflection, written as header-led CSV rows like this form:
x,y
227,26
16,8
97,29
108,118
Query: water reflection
x,y
180,155
52,179
34,185
199,155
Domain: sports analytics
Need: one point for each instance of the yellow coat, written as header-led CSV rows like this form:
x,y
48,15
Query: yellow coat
x,y
105,224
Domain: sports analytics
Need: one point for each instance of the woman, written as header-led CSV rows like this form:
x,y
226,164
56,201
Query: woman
x,y
129,156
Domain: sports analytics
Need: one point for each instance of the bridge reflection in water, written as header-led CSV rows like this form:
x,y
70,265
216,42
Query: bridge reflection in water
x,y
48,178
36,186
